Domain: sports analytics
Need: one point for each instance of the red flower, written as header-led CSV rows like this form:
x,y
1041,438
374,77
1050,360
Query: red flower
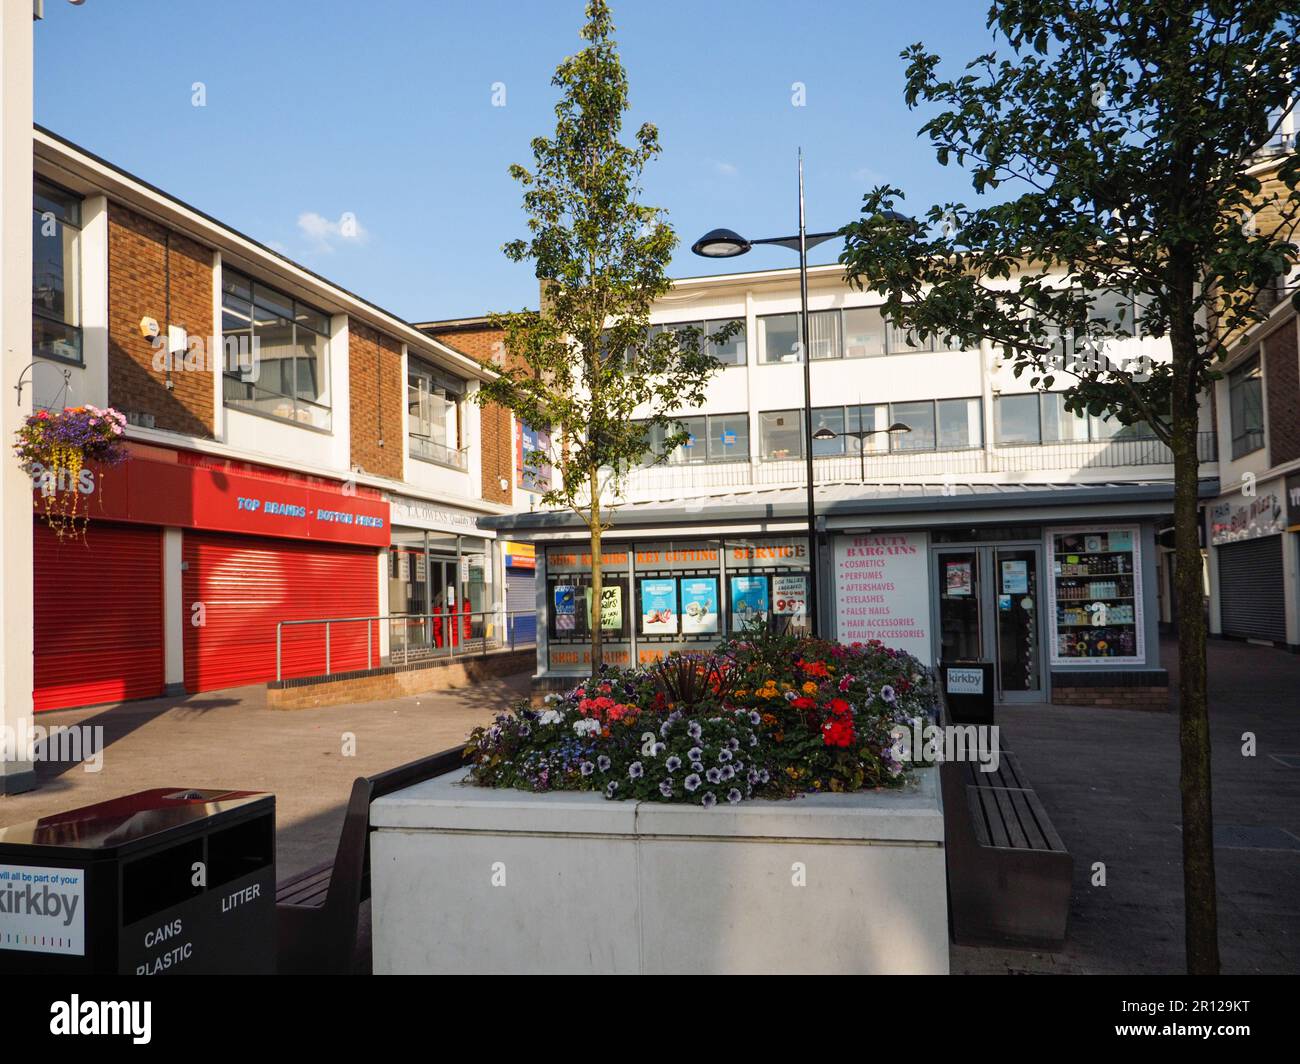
x,y
840,708
838,732
804,703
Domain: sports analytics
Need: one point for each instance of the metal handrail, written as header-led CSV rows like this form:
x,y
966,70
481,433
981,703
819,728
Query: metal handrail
x,y
425,619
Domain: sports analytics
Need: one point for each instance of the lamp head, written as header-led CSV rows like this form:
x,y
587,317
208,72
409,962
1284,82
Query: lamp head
x,y
721,244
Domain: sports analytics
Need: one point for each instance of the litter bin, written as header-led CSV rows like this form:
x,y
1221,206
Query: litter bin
x,y
968,686
166,881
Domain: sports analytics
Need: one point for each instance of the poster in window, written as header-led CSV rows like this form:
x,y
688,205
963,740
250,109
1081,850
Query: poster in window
x,y
659,606
699,606
957,578
748,601
611,608
566,608
1015,577
789,595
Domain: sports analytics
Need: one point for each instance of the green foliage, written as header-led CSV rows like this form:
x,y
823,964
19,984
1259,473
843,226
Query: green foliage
x,y
586,364
1123,135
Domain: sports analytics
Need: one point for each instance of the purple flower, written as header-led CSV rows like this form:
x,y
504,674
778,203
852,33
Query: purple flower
x,y
636,770
887,693
724,755
695,754
709,800
586,768
610,788
694,730
714,775
603,763
673,763
692,783
666,788
733,796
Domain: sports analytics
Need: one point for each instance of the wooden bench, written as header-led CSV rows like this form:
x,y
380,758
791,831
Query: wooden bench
x,y
1009,873
317,911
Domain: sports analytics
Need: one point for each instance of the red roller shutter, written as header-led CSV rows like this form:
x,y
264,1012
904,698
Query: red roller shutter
x,y
98,616
246,585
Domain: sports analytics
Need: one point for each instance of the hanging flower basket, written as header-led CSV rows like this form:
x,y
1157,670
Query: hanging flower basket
x,y
54,449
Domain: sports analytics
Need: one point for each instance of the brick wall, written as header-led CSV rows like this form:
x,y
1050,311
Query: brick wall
x,y
377,389
496,426
1282,386
141,255
1156,698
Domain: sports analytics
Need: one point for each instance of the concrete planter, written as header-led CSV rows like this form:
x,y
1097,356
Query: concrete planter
x,y
470,880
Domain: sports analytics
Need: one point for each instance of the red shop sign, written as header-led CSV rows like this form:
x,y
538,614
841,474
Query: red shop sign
x,y
144,491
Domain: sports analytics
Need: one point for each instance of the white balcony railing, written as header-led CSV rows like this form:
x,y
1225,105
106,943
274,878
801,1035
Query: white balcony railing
x,y
1072,458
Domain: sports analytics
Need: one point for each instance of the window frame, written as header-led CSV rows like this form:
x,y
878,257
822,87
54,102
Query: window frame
x,y
1248,371
422,368
296,320
76,328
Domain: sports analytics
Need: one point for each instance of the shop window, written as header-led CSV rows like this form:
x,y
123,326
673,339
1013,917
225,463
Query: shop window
x,y
1246,408
434,400
277,353
56,274
1096,596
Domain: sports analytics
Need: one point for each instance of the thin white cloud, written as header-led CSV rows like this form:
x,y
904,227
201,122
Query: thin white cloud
x,y
726,169
324,234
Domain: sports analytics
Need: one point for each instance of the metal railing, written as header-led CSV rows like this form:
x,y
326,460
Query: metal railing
x,y
1118,452
432,451
423,637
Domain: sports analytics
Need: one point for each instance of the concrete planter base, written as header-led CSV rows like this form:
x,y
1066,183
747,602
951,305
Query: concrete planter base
x,y
472,880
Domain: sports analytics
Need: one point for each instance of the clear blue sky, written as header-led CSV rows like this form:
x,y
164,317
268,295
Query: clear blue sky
x,y
384,109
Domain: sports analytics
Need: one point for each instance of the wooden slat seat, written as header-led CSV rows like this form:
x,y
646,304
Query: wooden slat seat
x,y
318,910
1009,872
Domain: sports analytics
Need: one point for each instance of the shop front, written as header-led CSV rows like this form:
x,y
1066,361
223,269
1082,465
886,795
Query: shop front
x,y
184,571
1052,589
1253,578
442,583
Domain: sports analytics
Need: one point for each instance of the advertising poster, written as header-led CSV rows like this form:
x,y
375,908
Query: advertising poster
x,y
748,601
659,606
957,578
699,606
882,590
789,595
566,609
611,608
1015,577
44,909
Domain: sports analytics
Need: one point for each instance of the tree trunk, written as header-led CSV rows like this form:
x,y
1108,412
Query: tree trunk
x,y
1199,894
597,578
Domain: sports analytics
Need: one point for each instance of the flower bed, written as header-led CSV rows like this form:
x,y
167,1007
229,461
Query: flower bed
x,y
764,716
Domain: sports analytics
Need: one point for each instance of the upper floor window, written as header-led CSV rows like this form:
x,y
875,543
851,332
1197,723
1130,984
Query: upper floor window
x,y
56,274
934,425
711,438
434,400
1246,408
276,353
1041,417
854,332
731,353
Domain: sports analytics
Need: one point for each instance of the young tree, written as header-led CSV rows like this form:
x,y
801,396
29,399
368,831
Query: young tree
x,y
586,364
1128,133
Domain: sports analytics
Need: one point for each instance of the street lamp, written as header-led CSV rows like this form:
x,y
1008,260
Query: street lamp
x,y
861,435
726,244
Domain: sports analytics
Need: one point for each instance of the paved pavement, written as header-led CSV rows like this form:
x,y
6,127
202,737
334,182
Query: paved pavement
x,y
1109,780
230,739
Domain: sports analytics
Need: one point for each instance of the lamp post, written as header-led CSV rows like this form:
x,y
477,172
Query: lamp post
x,y
861,436
726,244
